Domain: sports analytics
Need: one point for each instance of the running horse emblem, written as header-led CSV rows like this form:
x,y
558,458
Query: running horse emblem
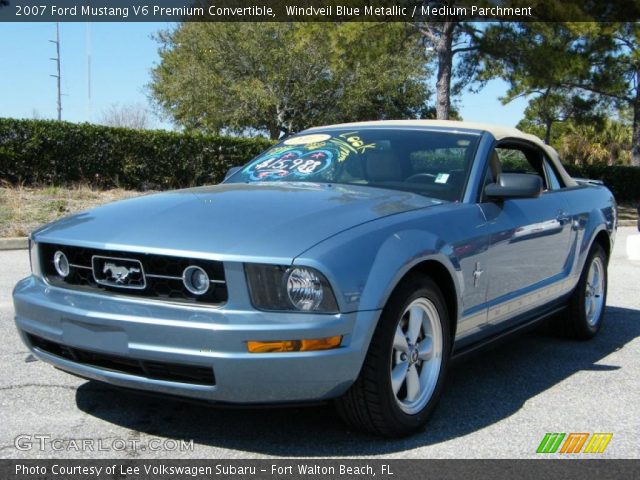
x,y
118,273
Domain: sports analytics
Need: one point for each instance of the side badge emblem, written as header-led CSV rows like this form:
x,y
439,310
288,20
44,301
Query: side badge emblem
x,y
476,275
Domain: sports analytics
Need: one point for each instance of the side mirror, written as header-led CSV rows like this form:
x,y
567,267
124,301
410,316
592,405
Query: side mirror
x,y
231,171
515,185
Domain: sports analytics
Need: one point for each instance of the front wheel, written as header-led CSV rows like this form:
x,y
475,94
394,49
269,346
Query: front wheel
x,y
585,310
403,373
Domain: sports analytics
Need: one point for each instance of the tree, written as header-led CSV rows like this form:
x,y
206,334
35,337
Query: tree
x,y
569,67
127,116
580,141
283,77
540,62
609,143
557,105
615,76
448,39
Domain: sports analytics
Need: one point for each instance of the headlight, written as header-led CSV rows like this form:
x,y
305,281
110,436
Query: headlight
x,y
304,288
280,288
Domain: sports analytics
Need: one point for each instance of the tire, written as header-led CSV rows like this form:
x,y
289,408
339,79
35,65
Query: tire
x,y
584,314
417,358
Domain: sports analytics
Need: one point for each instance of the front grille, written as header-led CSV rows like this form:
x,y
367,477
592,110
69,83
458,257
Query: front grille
x,y
172,372
163,274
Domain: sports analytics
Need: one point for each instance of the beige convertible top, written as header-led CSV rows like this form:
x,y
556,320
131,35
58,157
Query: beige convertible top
x,y
498,131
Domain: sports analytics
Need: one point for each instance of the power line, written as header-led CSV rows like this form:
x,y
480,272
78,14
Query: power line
x,y
57,60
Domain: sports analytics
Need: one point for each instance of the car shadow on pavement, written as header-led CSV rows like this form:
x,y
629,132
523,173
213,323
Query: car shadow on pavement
x,y
492,387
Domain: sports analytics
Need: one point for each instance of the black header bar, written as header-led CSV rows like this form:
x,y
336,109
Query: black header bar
x,y
319,11
294,469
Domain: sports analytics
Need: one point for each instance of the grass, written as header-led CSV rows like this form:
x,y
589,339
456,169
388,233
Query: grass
x,y
22,209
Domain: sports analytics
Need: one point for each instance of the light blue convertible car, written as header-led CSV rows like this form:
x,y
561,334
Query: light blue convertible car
x,y
349,262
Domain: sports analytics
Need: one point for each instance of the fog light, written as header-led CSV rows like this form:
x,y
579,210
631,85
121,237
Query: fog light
x,y
196,280
61,263
294,345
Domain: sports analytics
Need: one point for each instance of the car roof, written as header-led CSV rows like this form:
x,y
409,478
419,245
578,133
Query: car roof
x,y
498,131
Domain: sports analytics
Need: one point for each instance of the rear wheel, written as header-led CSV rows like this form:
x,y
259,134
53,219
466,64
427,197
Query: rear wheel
x,y
403,373
585,310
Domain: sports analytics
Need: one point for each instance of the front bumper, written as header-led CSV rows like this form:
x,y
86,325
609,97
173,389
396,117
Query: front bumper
x,y
215,338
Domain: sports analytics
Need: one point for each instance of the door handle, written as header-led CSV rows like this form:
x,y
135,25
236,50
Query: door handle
x,y
563,217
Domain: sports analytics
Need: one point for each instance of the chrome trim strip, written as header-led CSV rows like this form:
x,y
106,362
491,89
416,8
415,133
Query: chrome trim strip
x,y
169,277
150,275
80,266
523,303
473,321
513,307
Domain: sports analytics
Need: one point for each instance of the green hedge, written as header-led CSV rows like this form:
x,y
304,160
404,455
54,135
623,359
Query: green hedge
x,y
61,153
623,181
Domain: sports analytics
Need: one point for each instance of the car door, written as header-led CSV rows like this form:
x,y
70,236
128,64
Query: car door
x,y
529,238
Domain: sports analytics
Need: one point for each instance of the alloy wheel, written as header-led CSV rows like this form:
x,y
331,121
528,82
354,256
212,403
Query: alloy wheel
x,y
417,355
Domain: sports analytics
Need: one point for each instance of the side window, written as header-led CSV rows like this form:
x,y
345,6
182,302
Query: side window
x,y
514,161
522,159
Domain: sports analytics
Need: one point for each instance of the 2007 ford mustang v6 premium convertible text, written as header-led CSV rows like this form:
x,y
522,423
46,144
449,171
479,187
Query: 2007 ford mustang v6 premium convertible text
x,y
349,262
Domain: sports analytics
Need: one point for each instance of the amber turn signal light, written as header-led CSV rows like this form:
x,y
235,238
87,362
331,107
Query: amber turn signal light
x,y
294,345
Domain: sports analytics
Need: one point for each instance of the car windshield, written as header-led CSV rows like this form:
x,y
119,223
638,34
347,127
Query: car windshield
x,y
427,162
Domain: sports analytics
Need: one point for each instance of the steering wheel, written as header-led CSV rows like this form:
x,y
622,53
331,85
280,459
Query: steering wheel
x,y
421,178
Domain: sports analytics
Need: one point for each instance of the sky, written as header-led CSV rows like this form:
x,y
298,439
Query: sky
x,y
122,56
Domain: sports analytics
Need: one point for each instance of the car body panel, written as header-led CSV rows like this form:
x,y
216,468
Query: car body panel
x,y
529,244
507,260
222,225
214,338
388,249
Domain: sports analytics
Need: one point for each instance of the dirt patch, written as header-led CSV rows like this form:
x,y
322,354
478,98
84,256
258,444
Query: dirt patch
x,y
24,209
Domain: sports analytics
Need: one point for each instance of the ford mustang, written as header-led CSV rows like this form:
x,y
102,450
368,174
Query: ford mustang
x,y
349,263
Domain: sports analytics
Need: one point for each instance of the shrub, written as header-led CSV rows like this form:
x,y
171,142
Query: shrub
x,y
45,152
61,153
623,181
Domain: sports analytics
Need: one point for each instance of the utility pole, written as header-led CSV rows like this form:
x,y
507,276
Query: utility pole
x,y
57,60
88,46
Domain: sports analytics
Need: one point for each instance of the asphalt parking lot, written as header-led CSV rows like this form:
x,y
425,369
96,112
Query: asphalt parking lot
x,y
497,405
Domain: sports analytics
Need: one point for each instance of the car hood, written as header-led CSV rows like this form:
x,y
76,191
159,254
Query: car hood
x,y
274,221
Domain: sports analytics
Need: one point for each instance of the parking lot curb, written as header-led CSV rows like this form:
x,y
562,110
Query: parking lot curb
x,y
14,243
